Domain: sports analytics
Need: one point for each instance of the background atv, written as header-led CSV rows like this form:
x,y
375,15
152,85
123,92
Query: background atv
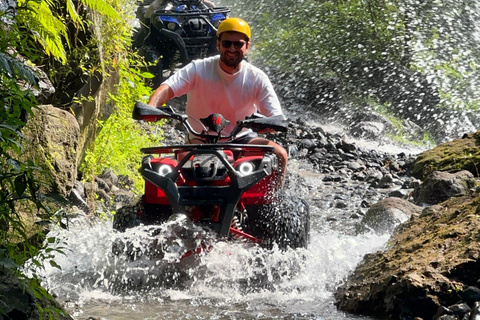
x,y
224,187
176,33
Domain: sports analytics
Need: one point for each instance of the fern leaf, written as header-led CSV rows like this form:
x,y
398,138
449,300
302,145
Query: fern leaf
x,y
5,64
73,13
101,7
46,28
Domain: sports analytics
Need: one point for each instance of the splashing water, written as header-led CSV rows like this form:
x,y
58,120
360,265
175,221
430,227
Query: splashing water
x,y
232,281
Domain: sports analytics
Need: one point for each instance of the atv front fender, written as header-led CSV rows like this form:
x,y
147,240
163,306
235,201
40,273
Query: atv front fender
x,y
179,42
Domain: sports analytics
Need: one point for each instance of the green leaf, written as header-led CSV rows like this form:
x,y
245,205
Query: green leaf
x,y
55,265
16,68
8,263
15,164
55,197
20,185
101,7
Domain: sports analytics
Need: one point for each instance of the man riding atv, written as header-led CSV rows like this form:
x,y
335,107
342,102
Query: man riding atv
x,y
226,84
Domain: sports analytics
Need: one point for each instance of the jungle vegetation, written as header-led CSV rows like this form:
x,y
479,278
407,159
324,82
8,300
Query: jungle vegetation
x,y
59,40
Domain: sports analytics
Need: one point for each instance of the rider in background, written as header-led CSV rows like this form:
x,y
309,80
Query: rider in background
x,y
228,85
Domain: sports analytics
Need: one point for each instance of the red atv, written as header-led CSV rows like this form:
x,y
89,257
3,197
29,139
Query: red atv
x,y
222,186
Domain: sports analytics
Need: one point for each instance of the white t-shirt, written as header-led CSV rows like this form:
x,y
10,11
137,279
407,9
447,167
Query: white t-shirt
x,y
211,90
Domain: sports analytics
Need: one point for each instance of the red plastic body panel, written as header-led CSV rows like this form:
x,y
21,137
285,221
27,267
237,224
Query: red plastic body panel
x,y
261,193
155,195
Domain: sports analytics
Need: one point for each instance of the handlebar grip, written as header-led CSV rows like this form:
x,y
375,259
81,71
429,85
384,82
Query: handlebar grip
x,y
277,123
143,111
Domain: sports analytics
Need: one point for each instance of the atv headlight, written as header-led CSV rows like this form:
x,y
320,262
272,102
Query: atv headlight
x,y
164,169
171,26
246,168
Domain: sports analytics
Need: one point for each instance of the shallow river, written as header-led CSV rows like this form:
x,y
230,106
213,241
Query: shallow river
x,y
230,282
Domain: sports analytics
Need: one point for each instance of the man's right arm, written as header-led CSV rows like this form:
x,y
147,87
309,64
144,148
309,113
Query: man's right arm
x,y
161,95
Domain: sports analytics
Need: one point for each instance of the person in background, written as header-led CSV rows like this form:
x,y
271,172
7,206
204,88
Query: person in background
x,y
226,84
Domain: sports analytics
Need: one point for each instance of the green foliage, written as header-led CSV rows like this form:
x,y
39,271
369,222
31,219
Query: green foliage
x,y
49,29
119,139
20,198
52,33
12,67
324,34
44,26
117,145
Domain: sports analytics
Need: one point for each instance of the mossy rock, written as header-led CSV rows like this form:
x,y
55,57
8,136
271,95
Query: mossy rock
x,y
429,262
453,156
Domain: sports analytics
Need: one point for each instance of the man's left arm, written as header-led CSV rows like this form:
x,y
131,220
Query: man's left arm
x,y
267,101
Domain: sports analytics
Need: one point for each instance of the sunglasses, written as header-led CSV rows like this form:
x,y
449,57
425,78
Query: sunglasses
x,y
236,44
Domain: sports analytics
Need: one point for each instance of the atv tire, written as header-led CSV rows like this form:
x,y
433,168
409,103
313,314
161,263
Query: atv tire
x,y
156,213
285,223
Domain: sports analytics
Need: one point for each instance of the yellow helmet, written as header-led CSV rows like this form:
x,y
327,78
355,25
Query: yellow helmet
x,y
235,25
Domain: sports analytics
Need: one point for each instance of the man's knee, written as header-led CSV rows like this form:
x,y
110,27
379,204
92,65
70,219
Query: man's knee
x,y
279,150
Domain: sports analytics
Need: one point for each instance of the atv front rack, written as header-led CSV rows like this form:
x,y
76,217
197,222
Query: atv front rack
x,y
194,31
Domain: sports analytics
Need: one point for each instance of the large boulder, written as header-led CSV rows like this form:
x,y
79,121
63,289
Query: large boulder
x,y
53,136
432,261
385,215
459,154
440,186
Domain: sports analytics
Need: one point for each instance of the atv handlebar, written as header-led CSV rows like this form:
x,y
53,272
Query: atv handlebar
x,y
255,122
143,111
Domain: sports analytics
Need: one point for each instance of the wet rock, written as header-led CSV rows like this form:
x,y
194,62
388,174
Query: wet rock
x,y
460,309
20,301
355,166
432,262
386,181
401,193
410,182
453,312
374,177
368,129
459,154
471,295
385,215
77,198
443,313
345,146
475,313
440,186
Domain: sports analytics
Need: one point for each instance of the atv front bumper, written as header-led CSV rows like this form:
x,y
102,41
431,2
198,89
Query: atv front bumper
x,y
206,191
